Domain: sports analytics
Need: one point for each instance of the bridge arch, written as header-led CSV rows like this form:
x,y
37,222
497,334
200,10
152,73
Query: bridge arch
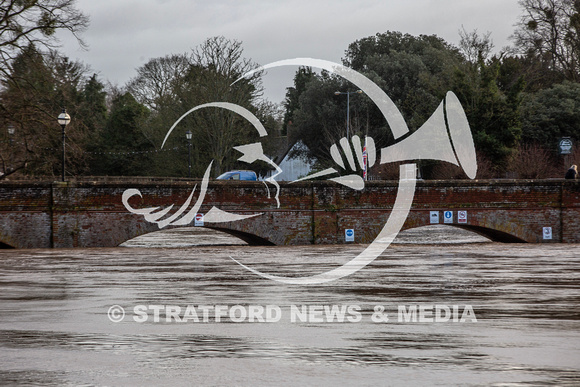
x,y
250,239
4,246
183,233
490,234
493,224
493,234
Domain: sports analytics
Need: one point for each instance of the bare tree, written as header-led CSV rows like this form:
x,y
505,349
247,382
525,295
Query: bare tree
x,y
35,22
172,85
551,29
533,161
217,64
158,79
474,46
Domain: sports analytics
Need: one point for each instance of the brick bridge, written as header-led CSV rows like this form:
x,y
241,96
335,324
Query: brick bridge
x,y
91,213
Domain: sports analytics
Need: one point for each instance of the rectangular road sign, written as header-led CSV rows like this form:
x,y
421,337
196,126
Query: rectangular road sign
x,y
547,231
434,217
349,235
448,217
461,216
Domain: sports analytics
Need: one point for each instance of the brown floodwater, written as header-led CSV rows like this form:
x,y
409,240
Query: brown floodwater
x,y
521,324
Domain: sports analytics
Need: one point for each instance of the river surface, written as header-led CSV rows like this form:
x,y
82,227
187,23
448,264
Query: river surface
x,y
485,314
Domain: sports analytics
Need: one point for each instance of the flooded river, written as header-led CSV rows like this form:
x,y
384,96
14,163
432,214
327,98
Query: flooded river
x,y
436,308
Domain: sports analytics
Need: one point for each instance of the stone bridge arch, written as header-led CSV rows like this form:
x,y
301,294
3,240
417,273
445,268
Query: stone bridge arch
x,y
493,234
4,246
486,223
250,239
489,233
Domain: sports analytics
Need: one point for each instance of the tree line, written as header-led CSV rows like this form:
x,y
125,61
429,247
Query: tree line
x,y
519,101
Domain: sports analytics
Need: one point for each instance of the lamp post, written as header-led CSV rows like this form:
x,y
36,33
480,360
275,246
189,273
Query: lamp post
x,y
188,135
63,120
11,133
11,140
348,93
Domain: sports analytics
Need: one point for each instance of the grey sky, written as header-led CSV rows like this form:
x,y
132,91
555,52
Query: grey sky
x,y
124,34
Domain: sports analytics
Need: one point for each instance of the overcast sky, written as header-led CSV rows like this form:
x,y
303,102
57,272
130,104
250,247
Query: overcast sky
x,y
125,34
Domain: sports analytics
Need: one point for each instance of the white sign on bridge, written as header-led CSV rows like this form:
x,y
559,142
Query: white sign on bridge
x,y
448,217
434,216
349,235
198,220
547,231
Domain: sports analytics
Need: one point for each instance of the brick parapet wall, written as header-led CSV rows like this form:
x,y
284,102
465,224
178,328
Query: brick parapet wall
x,y
91,213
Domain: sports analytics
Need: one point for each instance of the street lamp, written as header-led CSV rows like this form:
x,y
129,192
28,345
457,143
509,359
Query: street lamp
x,y
11,139
188,135
11,133
348,93
63,120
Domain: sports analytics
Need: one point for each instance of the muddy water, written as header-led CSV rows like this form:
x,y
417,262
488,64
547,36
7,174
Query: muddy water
x,y
520,303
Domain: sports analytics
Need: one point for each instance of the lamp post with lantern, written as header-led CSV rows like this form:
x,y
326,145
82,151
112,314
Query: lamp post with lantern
x,y
63,120
188,135
11,133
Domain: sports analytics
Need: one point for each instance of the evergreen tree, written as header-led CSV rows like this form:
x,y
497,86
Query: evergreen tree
x,y
551,114
122,149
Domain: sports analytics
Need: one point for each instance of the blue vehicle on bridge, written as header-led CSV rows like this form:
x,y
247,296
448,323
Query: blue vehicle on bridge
x,y
238,175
